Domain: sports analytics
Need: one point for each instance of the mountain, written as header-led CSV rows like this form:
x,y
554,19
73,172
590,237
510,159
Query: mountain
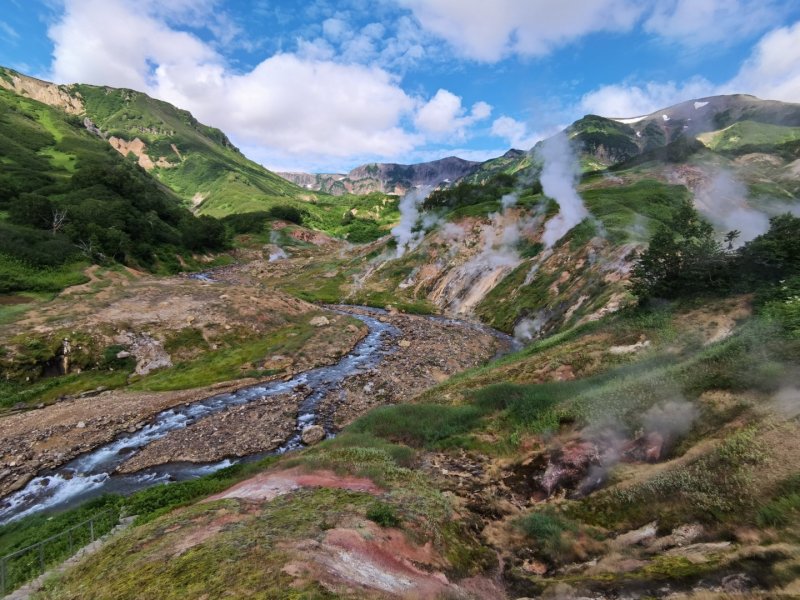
x,y
734,157
638,440
389,178
68,199
195,161
511,163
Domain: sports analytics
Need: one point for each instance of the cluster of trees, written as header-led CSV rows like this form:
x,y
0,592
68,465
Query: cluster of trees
x,y
467,194
686,258
108,210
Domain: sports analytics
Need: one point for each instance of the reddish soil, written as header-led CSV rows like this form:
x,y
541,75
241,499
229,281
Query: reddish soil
x,y
267,486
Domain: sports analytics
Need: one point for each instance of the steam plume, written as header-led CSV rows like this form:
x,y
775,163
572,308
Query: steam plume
x,y
404,232
559,173
723,200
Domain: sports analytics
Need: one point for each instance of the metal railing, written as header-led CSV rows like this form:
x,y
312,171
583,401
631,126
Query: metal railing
x,y
28,563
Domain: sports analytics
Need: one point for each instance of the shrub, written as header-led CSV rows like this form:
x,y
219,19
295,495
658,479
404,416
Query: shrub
x,y
547,530
383,514
418,425
287,213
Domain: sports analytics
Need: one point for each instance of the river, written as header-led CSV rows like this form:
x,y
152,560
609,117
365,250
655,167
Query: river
x,y
93,473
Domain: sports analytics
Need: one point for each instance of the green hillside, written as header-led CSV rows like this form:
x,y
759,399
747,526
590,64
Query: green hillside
x,y
68,199
206,164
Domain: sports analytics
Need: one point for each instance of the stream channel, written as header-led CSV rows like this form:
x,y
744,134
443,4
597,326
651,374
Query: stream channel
x,y
93,473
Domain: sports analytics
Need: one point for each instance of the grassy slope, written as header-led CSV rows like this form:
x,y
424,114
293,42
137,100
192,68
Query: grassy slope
x,y
501,411
750,133
211,165
212,169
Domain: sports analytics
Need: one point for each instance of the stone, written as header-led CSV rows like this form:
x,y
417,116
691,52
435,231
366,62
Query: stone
x,y
81,424
312,434
319,321
404,343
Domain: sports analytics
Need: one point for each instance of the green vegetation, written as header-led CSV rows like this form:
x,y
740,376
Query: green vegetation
x,y
419,425
684,259
745,137
613,139
550,534
469,194
634,212
224,364
784,508
70,197
383,514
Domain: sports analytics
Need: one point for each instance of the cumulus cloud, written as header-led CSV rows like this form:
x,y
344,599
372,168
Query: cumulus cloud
x,y
311,103
516,132
444,116
773,68
622,100
489,32
772,71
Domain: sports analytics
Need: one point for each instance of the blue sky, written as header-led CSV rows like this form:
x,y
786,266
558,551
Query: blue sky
x,y
325,86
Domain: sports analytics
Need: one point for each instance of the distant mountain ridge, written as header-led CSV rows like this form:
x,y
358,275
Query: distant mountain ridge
x,y
389,178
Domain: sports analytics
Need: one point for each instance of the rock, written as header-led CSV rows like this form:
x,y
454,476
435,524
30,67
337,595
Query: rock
x,y
404,343
352,328
680,536
738,583
319,321
81,425
644,534
312,435
123,354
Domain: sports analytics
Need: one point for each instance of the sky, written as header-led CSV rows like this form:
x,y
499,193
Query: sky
x,y
323,86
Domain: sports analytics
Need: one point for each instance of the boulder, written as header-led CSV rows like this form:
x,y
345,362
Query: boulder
x,y
319,321
312,434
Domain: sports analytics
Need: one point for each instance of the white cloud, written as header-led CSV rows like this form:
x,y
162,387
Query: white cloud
x,y
773,69
302,105
622,100
702,22
516,132
771,72
490,31
444,117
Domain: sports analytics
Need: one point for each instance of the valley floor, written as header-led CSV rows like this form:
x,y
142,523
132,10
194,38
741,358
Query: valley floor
x,y
651,454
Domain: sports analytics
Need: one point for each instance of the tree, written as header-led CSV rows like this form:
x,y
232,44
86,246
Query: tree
x,y
31,210
775,254
683,258
57,222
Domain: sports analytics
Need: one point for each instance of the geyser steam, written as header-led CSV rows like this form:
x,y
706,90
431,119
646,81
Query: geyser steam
x,y
405,232
559,174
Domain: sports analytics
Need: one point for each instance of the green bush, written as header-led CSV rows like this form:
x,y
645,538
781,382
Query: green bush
x,y
526,405
546,530
418,425
383,514
784,508
287,213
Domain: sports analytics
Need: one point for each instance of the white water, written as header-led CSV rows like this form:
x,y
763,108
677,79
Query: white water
x,y
93,473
